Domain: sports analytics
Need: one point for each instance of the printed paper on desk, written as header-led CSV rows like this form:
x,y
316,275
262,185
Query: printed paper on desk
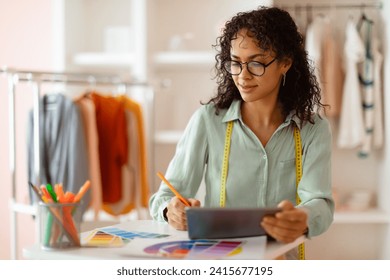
x,y
179,248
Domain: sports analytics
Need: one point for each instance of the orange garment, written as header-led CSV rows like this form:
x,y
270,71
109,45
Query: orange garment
x,y
113,144
87,109
135,178
130,173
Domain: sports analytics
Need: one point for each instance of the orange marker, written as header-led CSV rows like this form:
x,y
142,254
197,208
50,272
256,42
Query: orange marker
x,y
58,189
178,195
82,191
69,197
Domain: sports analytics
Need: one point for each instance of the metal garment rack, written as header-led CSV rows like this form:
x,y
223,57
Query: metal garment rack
x,y
309,7
36,79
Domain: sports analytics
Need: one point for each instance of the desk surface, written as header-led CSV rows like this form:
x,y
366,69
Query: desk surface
x,y
272,251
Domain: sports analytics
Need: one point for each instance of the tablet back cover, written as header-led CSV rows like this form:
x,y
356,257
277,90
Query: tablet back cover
x,y
226,222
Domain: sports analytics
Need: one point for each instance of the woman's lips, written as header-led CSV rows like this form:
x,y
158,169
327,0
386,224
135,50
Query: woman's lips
x,y
247,88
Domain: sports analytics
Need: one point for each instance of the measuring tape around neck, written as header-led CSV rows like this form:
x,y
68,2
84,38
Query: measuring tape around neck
x,y
225,163
298,171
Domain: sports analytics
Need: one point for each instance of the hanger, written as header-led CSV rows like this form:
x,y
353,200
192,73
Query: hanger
x,y
309,14
363,18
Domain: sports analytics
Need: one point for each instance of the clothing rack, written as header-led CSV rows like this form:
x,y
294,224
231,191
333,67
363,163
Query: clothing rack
x,y
309,7
36,79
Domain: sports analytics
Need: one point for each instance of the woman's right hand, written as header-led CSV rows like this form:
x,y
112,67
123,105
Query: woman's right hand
x,y
176,213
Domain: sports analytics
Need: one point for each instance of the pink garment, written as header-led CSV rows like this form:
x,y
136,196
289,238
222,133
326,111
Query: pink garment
x,y
332,74
87,109
322,51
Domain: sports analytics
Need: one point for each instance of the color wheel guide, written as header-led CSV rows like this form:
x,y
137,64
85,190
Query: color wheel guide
x,y
155,245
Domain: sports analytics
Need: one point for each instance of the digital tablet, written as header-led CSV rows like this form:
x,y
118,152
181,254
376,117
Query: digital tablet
x,y
226,222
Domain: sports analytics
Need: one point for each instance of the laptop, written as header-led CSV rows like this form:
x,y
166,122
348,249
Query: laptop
x,y
214,223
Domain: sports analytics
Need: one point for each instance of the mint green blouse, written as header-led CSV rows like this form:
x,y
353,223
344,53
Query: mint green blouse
x,y
257,176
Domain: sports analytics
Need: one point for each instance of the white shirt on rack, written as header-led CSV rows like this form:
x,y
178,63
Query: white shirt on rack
x,y
351,131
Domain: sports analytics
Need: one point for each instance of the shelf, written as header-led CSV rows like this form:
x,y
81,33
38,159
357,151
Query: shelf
x,y
103,59
364,217
185,58
168,136
196,58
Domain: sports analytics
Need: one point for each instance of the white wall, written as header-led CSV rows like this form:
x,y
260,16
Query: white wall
x,y
26,42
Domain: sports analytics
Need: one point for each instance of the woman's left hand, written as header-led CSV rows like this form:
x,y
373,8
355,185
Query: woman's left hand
x,y
287,225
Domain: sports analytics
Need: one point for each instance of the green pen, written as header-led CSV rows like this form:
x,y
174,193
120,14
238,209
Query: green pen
x,y
49,226
51,192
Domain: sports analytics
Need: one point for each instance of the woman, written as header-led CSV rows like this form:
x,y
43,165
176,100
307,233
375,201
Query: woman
x,y
266,87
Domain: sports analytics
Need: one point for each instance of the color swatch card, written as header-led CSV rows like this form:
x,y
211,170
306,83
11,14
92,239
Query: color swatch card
x,y
99,238
132,234
115,237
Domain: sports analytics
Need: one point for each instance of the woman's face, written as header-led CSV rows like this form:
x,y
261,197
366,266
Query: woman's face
x,y
251,87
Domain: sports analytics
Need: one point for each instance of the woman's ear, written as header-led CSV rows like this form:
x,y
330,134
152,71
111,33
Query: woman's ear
x,y
286,64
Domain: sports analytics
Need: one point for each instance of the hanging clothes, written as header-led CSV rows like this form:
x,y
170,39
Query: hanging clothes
x,y
130,174
322,50
142,164
113,144
368,83
134,174
87,109
63,157
351,129
378,134
314,44
332,74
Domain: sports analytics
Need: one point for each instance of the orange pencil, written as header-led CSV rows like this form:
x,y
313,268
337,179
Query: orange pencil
x,y
82,191
178,195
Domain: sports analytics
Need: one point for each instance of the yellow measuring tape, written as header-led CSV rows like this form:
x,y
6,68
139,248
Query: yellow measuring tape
x,y
225,163
298,170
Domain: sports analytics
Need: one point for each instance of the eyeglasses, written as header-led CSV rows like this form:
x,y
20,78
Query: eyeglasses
x,y
255,68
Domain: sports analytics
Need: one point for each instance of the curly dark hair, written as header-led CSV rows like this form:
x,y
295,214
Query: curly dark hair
x,y
276,31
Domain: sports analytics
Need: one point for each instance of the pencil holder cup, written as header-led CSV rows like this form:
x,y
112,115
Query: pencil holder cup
x,y
59,226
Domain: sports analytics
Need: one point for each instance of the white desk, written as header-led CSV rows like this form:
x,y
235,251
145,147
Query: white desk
x,y
273,249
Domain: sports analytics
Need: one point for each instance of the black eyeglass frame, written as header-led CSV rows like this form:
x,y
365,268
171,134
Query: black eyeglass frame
x,y
228,62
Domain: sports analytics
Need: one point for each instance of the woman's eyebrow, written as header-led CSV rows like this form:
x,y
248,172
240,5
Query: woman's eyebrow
x,y
252,56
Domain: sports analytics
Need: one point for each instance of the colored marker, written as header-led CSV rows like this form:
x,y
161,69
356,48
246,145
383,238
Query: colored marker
x,y
82,191
51,192
59,192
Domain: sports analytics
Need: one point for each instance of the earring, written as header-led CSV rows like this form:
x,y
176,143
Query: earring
x,y
284,79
